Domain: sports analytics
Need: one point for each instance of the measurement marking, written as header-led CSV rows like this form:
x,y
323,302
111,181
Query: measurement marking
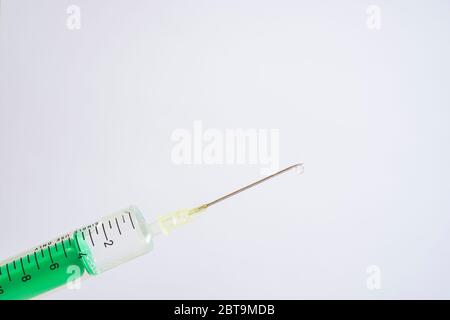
x,y
21,263
56,246
110,225
96,229
14,263
90,235
0,270
129,214
78,244
42,252
28,258
7,270
64,248
50,253
123,218
106,236
118,228
37,263
82,234
70,242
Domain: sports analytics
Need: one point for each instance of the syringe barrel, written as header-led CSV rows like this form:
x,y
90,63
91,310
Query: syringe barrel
x,y
114,240
92,249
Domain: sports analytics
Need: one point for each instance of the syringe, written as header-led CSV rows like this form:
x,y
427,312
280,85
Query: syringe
x,y
93,249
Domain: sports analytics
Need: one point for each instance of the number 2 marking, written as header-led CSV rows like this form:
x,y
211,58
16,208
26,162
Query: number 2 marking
x,y
108,243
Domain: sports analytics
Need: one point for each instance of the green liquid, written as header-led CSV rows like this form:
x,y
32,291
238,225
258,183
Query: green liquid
x,y
48,267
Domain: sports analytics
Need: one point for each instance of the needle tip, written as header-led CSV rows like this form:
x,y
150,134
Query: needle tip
x,y
299,167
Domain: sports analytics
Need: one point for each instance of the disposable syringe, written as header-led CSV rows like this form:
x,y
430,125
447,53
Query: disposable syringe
x,y
93,249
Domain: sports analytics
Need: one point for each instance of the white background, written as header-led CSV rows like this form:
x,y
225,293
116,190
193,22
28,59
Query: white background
x,y
86,118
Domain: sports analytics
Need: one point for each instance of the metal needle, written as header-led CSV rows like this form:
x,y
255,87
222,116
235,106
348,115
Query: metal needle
x,y
250,185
